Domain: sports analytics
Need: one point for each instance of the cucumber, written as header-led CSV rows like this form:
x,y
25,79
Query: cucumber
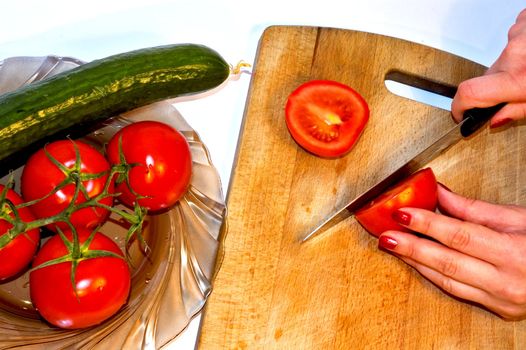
x,y
103,88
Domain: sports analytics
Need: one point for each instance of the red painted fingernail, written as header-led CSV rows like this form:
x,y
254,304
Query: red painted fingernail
x,y
401,217
501,122
387,242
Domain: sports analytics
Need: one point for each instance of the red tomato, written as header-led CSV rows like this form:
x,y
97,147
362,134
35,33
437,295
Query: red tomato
x,y
164,164
326,117
41,176
102,283
18,253
418,190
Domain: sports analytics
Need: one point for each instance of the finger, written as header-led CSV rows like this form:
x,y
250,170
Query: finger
x,y
451,286
465,237
510,57
450,263
519,27
466,292
486,91
503,218
509,113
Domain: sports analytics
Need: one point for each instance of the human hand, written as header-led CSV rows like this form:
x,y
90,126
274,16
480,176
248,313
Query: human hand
x,y
504,81
478,252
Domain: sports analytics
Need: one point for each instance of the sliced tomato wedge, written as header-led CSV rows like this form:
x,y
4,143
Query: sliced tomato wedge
x,y
417,191
326,117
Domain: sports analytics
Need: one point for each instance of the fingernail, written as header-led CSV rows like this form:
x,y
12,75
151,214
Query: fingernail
x,y
387,242
401,217
444,187
501,122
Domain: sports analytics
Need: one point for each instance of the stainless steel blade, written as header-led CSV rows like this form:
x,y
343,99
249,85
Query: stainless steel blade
x,y
428,154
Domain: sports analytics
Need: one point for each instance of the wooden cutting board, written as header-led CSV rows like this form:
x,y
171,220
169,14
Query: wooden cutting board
x,y
339,291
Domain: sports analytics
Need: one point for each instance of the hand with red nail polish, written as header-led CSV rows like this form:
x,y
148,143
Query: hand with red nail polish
x,y
477,250
504,81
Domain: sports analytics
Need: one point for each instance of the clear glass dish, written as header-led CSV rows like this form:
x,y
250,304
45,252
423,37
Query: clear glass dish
x,y
170,285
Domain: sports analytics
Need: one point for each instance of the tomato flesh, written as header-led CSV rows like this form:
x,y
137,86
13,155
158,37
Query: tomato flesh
x,y
103,284
418,190
163,164
18,253
326,117
41,176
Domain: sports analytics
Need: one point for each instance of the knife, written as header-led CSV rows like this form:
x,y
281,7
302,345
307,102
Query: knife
x,y
473,119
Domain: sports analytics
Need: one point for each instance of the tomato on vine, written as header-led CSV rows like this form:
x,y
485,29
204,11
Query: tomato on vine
x,y
80,277
16,248
159,160
79,283
49,181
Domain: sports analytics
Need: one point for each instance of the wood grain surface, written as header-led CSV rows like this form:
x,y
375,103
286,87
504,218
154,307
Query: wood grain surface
x,y
338,291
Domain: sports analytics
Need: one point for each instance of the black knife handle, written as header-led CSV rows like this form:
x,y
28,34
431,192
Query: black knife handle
x,y
476,117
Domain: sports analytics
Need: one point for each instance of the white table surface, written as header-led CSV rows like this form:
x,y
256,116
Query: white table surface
x,y
475,29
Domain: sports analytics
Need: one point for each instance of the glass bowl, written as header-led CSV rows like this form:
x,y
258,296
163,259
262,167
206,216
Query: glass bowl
x,y
170,284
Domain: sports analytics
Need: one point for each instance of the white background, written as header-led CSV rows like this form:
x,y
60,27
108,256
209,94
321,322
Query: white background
x,y
475,29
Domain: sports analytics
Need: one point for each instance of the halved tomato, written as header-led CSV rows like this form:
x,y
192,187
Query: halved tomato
x,y
326,117
418,191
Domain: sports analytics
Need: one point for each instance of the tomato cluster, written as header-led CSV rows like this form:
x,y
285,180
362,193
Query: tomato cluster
x,y
79,277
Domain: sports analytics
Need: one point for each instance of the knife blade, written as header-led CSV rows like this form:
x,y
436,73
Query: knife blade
x,y
473,119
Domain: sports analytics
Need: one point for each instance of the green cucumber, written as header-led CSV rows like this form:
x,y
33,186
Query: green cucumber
x,y
98,90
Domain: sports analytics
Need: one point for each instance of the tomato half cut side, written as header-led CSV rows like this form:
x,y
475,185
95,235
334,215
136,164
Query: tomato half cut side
x,y
326,117
418,191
